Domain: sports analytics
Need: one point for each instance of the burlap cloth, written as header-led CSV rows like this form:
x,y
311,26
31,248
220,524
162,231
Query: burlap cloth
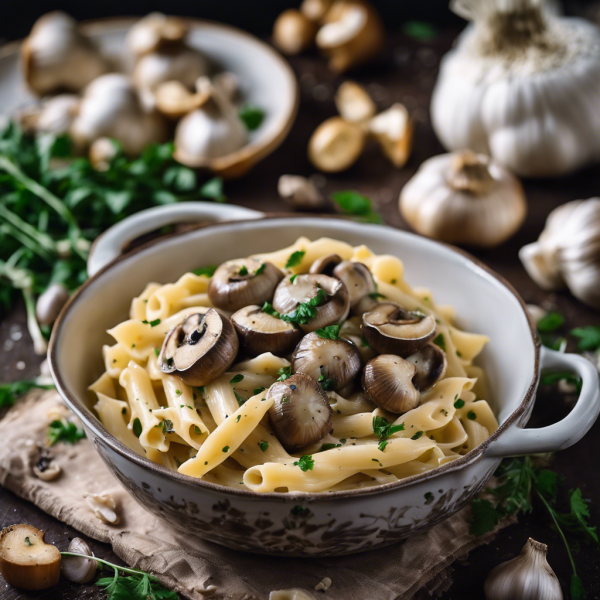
x,y
421,565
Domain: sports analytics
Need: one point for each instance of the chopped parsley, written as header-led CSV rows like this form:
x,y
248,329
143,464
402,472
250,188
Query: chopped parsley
x,y
459,403
377,461
137,427
206,271
285,399
258,390
251,116
383,429
68,432
268,308
471,415
305,311
376,295
240,399
283,374
243,270
236,378
325,383
294,259
28,541
417,435
197,430
440,341
178,392
550,322
237,419
293,278
363,342
260,269
151,323
226,449
167,426
157,351
263,445
325,447
306,463
331,332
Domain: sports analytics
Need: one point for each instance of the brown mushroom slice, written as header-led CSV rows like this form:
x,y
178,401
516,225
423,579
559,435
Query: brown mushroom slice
x,y
388,381
302,289
26,561
365,351
174,100
357,278
239,283
201,348
260,332
332,363
301,414
326,264
390,329
431,365
365,304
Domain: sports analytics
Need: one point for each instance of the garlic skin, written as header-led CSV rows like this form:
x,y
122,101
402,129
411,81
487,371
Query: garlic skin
x,y
56,56
526,577
75,568
464,198
567,252
523,86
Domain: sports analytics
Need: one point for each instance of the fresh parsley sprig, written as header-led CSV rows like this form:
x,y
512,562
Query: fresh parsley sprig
x,y
383,429
355,204
9,392
331,332
67,432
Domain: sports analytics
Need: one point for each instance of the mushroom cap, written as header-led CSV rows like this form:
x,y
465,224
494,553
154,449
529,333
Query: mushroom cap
x,y
154,31
431,365
293,32
201,348
324,359
388,381
357,278
289,294
301,414
326,264
335,145
231,291
390,329
260,332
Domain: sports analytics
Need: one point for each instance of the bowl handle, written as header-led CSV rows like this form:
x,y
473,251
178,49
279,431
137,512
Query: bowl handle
x,y
517,441
111,243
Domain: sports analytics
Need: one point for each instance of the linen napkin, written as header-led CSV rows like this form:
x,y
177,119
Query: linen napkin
x,y
198,569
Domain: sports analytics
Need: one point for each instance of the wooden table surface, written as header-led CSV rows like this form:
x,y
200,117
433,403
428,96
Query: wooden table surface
x,y
406,73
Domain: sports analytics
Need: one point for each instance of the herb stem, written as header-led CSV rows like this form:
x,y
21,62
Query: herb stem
x,y
25,241
44,240
40,345
109,564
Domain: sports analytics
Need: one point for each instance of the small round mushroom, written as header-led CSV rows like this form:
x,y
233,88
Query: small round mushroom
x,y
301,414
239,283
201,348
357,278
293,32
260,332
431,365
335,145
50,303
388,381
365,351
354,103
315,10
390,329
332,363
53,115
46,468
76,568
326,264
329,295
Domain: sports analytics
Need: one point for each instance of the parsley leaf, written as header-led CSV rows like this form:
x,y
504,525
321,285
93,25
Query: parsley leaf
x,y
252,116
331,332
484,516
137,427
207,271
151,323
383,429
236,378
305,311
325,447
357,205
213,189
294,259
240,399
552,377
243,270
68,432
306,463
10,391
589,337
263,445
284,373
268,308
417,435
550,322
440,341
167,426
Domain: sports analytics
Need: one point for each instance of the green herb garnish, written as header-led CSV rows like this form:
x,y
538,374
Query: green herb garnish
x,y
552,377
589,337
284,373
550,322
331,332
9,392
260,269
243,270
252,116
383,429
68,432
306,463
325,447
305,311
263,445
236,378
440,341
417,435
151,323
137,427
355,204
206,271
295,259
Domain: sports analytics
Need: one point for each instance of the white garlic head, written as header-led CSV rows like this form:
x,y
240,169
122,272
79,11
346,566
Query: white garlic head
x,y
76,568
567,252
56,56
522,85
526,577
103,506
464,198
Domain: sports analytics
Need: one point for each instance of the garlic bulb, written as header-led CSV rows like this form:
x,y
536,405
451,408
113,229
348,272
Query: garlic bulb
x,y
464,198
212,131
76,568
54,115
110,107
568,251
523,86
56,56
526,577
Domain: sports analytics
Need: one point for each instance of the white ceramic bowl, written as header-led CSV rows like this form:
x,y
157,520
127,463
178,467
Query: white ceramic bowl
x,y
324,523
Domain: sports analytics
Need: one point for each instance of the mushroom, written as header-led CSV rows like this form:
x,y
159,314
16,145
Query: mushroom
x,y
110,107
54,115
431,365
388,381
26,561
46,468
200,348
103,506
50,303
365,304
352,34
301,414
354,103
293,32
238,283
332,363
324,300
56,56
299,192
326,264
357,278
155,31
174,100
315,10
390,329
260,332
228,83
76,568
335,145
393,129
365,351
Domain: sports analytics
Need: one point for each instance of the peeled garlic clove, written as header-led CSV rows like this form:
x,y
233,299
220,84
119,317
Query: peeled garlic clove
x,y
464,198
568,251
353,103
103,506
293,32
300,193
54,115
174,100
56,56
526,577
393,129
155,31
336,145
352,34
76,568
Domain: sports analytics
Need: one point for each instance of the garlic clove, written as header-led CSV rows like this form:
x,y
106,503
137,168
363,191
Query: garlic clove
x,y
76,568
335,145
155,31
353,103
526,577
393,129
300,193
293,32
103,506
174,100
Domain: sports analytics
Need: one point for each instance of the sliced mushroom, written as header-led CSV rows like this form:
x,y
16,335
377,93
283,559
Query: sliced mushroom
x,y
335,145
306,289
388,381
390,329
46,468
260,332
27,562
301,414
365,351
201,348
332,363
431,365
174,100
239,283
326,264
365,304
357,278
